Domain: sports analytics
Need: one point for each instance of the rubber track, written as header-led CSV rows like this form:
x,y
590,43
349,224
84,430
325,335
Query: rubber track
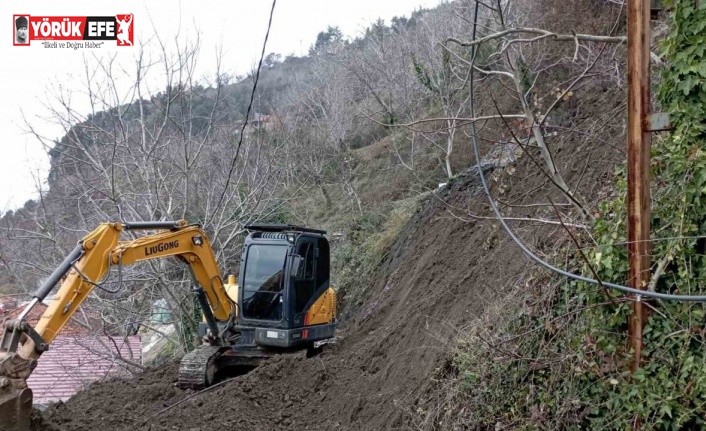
x,y
192,370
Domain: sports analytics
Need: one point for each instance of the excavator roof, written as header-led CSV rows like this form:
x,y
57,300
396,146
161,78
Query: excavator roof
x,y
283,228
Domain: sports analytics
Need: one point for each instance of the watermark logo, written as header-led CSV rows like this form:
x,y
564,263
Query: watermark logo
x,y
74,32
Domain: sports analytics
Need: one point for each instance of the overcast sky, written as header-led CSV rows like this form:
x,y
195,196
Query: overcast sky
x,y
31,74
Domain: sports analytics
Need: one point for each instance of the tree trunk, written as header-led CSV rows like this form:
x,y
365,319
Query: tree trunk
x,y
449,146
539,137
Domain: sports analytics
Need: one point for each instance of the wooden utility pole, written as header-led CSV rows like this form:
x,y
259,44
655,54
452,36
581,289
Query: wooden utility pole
x,y
639,137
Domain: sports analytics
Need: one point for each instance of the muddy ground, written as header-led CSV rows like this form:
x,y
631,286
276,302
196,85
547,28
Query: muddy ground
x,y
448,264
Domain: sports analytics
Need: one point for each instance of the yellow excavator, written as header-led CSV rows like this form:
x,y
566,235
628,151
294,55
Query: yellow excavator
x,y
282,302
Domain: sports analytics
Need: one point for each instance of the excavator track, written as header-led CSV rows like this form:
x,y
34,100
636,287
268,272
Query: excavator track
x,y
197,368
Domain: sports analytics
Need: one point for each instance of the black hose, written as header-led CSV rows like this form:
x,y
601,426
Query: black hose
x,y
149,225
59,272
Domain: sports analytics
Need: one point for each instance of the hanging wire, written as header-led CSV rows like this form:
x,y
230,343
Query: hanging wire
x,y
247,114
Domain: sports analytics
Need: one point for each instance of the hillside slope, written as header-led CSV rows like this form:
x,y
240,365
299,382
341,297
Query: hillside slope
x,y
443,271
447,267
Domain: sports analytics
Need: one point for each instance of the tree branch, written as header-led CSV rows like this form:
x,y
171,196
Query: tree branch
x,y
543,33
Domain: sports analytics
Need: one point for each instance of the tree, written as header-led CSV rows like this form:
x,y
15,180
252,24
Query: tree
x,y
272,60
328,42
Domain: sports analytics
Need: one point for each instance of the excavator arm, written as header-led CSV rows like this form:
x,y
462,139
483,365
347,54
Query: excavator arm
x,y
82,271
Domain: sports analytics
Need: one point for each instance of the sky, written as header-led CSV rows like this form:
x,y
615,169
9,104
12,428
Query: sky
x,y
32,76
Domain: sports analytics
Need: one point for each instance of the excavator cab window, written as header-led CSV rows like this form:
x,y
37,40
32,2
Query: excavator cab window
x,y
305,286
322,264
314,253
264,280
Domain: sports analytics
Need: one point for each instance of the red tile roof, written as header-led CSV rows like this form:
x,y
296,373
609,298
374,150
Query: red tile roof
x,y
35,314
72,363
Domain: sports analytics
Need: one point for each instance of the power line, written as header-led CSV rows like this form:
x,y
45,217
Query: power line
x,y
247,114
518,241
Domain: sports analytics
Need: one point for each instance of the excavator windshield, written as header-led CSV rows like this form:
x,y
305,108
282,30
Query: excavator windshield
x,y
263,281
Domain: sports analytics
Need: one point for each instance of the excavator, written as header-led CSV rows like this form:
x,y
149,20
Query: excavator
x,y
282,301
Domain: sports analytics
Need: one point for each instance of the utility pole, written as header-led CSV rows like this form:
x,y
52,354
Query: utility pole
x,y
639,137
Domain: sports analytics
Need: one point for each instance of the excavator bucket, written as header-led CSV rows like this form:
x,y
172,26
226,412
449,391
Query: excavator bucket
x,y
15,396
15,406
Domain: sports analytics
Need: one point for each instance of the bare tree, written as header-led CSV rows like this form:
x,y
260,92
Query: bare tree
x,y
513,62
144,153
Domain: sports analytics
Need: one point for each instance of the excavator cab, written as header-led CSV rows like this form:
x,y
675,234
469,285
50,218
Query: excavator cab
x,y
284,274
283,292
284,303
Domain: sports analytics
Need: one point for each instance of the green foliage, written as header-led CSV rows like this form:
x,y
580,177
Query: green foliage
x,y
350,261
188,325
526,76
436,81
328,41
562,361
279,214
425,80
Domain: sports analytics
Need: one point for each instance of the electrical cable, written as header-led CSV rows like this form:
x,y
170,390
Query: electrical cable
x,y
247,114
518,241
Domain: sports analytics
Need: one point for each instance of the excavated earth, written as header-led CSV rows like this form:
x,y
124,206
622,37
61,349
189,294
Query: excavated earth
x,y
443,271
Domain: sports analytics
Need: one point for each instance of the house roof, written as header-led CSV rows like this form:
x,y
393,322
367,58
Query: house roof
x,y
72,363
75,359
71,328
